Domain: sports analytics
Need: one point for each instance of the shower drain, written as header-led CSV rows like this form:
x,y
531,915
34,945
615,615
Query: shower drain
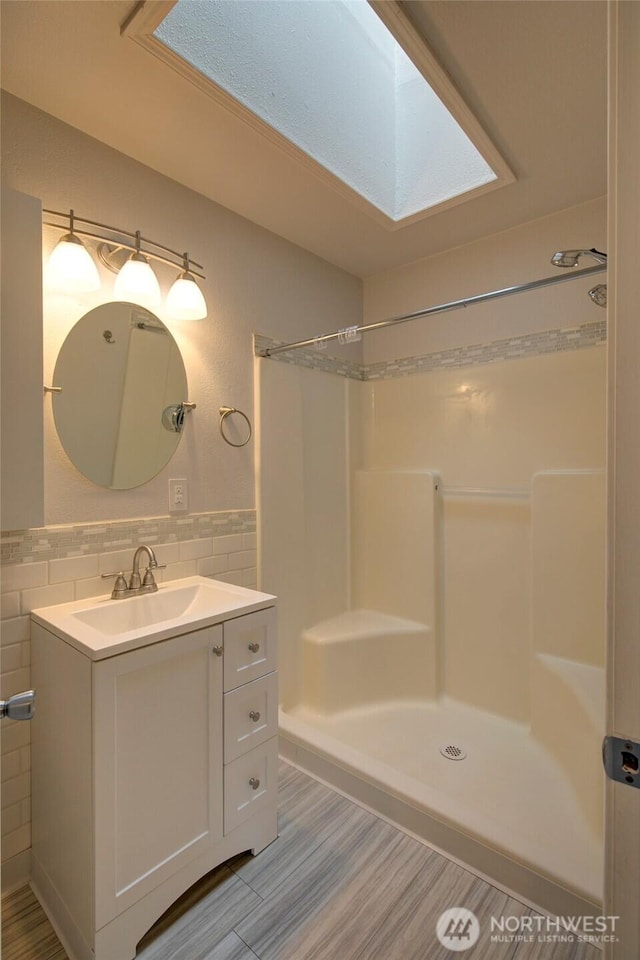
x,y
452,752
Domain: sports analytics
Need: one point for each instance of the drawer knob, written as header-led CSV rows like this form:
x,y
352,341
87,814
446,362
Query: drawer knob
x,y
217,650
254,783
254,647
254,715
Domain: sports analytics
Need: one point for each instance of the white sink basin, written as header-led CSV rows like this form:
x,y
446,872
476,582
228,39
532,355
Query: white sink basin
x,y
135,613
103,627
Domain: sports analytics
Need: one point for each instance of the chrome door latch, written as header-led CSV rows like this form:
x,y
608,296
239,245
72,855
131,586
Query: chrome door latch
x,y
621,758
19,707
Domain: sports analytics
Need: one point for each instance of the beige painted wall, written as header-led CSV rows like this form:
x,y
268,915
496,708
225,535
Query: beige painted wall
x,y
256,282
21,436
500,260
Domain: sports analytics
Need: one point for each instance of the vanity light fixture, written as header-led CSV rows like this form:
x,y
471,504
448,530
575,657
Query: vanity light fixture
x,y
185,300
126,253
70,266
136,282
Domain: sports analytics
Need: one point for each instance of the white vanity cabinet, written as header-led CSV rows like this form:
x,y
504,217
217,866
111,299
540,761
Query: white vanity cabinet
x,y
157,715
148,771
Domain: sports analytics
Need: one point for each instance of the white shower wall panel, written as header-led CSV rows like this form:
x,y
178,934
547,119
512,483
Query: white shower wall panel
x,y
491,426
568,556
518,447
487,604
394,533
302,500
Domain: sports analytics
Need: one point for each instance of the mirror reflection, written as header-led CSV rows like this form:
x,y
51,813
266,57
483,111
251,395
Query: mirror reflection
x,y
119,369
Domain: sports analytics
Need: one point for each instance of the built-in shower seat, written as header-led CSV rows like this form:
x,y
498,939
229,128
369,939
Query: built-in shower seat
x,y
364,657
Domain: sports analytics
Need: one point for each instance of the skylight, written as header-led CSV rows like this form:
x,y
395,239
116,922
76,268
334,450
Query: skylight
x,y
330,78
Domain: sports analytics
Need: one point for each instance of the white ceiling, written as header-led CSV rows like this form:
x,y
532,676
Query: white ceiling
x,y
533,72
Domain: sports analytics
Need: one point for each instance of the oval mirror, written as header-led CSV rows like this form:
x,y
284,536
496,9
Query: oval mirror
x,y
122,377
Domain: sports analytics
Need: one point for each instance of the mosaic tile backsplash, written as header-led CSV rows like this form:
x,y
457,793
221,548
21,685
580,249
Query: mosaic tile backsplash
x,y
76,540
511,348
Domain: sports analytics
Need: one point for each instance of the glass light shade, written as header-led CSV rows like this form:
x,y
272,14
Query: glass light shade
x,y
137,283
185,300
71,267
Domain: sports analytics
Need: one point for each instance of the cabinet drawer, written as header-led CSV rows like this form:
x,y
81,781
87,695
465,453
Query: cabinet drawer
x,y
250,716
249,647
250,784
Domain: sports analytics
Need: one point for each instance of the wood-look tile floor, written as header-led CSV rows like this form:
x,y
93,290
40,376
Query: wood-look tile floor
x,y
337,884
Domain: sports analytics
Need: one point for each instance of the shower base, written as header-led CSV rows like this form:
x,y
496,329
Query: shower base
x,y
508,810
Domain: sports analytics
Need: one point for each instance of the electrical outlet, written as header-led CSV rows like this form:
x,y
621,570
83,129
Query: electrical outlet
x,y
178,496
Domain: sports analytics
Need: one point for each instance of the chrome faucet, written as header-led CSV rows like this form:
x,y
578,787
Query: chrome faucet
x,y
136,586
149,584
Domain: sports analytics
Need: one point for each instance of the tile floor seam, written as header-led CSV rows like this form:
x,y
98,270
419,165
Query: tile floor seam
x,y
274,894
299,866
252,952
253,889
516,946
247,884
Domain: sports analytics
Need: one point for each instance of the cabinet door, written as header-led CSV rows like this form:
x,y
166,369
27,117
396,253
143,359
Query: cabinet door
x,y
158,764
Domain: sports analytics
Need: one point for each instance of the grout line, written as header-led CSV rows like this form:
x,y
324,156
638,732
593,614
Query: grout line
x,y
252,952
516,946
247,884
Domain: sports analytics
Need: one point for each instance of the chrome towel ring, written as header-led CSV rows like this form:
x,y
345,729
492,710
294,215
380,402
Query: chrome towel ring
x,y
226,412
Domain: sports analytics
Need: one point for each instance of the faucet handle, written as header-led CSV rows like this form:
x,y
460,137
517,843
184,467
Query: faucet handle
x,y
119,587
149,584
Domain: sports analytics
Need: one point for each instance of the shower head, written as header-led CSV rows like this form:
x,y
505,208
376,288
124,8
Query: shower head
x,y
599,294
569,258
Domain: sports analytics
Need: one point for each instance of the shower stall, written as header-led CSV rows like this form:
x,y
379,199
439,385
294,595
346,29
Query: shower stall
x,y
435,533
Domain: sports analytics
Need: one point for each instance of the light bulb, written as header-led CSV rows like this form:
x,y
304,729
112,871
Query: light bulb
x,y
71,267
185,300
137,283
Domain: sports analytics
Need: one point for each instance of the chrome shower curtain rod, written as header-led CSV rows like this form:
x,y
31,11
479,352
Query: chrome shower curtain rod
x,y
441,308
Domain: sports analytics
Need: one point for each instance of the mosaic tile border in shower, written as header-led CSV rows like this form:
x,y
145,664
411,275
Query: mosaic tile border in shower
x,y
81,539
512,348
310,357
479,354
